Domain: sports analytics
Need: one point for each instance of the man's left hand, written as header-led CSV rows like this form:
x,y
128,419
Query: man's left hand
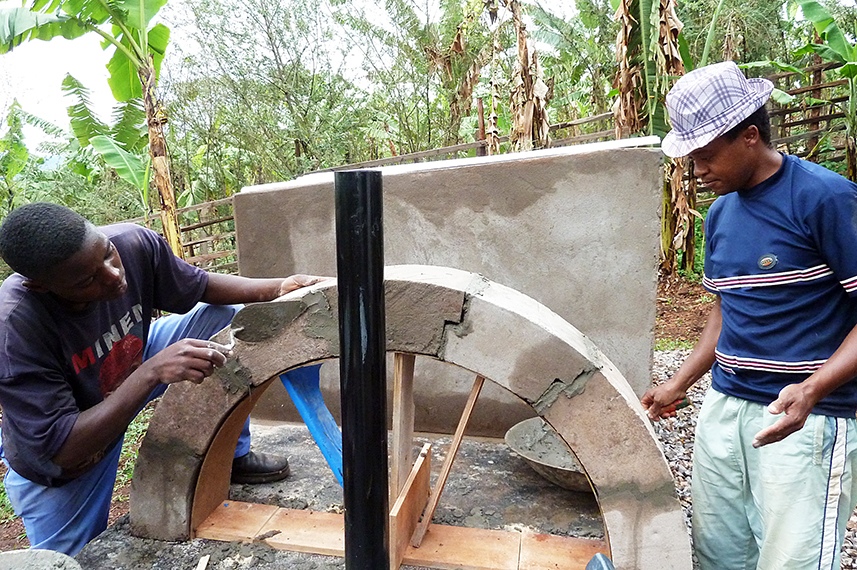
x,y
299,281
796,404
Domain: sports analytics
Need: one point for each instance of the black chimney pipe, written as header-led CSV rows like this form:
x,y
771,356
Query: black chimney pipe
x,y
362,367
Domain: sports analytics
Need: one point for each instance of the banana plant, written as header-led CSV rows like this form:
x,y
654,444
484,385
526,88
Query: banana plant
x,y
14,155
139,49
119,145
838,49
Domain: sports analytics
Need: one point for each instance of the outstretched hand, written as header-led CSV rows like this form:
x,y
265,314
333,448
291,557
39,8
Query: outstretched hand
x,y
796,406
299,281
189,359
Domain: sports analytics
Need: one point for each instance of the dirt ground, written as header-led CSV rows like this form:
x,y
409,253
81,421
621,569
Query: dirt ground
x,y
681,312
682,309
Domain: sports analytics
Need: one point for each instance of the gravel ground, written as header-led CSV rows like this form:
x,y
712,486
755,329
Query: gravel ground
x,y
676,435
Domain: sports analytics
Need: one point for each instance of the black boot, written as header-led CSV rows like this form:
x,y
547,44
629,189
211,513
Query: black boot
x,y
255,468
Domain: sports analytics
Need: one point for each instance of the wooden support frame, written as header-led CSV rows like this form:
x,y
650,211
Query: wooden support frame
x,y
411,501
403,422
445,547
421,529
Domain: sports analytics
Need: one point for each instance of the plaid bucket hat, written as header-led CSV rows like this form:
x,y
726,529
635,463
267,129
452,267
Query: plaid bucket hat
x,y
709,101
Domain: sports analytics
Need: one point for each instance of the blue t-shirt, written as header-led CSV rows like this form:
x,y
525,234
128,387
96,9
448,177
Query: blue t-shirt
x,y
55,363
782,256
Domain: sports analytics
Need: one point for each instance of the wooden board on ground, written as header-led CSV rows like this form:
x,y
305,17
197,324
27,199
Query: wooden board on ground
x,y
212,484
234,520
307,531
410,503
551,552
456,547
444,547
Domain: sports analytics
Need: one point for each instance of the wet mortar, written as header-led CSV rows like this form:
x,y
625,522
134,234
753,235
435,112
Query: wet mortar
x,y
490,487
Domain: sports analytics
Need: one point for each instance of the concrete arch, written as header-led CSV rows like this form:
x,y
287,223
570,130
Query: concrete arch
x,y
454,316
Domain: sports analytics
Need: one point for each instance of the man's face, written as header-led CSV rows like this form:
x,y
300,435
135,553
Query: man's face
x,y
723,166
94,273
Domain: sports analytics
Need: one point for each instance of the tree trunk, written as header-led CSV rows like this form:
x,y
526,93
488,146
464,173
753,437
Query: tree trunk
x,y
850,158
160,162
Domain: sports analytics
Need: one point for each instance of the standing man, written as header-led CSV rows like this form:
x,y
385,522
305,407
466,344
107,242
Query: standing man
x,y
80,357
774,459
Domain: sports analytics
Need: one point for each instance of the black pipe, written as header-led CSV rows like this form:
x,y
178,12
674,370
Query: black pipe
x,y
362,367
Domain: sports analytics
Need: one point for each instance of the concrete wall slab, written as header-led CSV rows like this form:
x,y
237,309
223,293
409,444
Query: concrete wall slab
x,y
577,229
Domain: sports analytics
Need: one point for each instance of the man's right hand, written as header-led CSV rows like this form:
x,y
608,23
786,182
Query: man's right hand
x,y
660,401
188,359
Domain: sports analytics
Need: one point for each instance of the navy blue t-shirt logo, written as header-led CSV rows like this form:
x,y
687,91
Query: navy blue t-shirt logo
x,y
767,261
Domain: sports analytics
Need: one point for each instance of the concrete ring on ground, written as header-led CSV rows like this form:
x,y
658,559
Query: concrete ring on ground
x,y
183,467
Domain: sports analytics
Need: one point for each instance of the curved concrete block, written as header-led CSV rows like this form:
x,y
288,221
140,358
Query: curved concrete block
x,y
455,317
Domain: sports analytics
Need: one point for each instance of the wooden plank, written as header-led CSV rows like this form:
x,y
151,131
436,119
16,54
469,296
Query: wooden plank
x,y
792,110
806,135
805,70
198,225
210,256
454,547
444,547
799,90
408,506
212,483
401,456
550,552
236,521
583,121
447,462
610,133
811,120
306,531
208,239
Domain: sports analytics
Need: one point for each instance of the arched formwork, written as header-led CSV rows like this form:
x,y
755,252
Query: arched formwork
x,y
183,467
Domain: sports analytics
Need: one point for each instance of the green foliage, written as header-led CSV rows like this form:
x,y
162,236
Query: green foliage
x,y
139,50
579,57
699,249
128,166
13,152
744,30
84,122
72,175
836,47
124,81
19,24
130,446
670,344
267,106
121,146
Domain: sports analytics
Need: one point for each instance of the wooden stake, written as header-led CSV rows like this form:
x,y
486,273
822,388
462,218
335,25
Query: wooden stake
x,y
420,532
407,507
401,456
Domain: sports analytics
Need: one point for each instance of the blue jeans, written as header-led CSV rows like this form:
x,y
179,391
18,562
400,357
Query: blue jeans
x,y
65,518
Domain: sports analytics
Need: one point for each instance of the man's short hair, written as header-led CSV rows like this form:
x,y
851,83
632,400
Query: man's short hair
x,y
759,119
36,237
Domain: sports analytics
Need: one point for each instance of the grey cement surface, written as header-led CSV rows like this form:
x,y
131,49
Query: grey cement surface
x,y
489,487
36,559
577,232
